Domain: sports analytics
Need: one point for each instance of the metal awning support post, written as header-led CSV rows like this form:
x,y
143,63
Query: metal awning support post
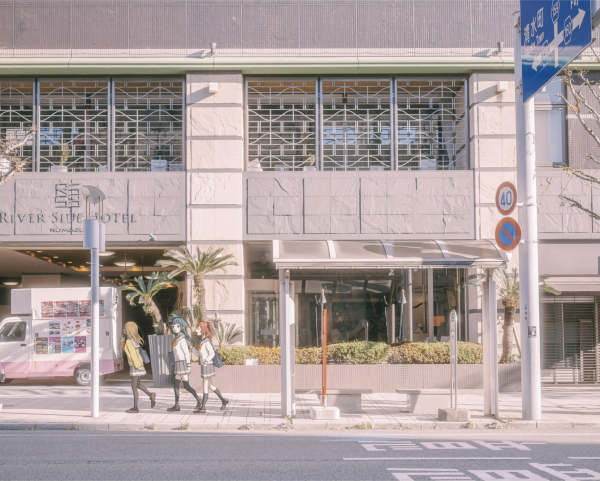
x,y
409,311
430,326
490,346
287,331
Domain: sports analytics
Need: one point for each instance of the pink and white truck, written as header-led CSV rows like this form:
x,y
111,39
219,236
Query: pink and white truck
x,y
50,334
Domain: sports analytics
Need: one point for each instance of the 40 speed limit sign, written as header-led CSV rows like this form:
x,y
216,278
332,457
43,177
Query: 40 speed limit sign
x,y
506,198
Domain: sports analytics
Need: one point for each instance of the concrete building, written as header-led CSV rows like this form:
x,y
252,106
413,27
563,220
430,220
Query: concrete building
x,y
358,145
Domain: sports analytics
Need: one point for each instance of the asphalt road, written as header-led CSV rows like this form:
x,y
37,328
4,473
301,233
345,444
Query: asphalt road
x,y
346,455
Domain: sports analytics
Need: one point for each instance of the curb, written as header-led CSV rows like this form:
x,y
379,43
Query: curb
x,y
301,426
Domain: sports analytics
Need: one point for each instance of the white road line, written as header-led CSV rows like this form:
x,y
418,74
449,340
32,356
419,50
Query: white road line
x,y
578,457
422,458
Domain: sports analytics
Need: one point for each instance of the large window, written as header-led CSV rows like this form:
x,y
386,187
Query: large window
x,y
281,124
148,124
16,116
73,125
550,125
356,124
96,124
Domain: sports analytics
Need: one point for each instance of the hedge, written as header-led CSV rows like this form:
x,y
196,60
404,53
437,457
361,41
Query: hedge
x,y
359,352
435,353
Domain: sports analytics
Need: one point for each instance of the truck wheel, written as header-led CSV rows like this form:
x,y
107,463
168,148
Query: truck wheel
x,y
83,376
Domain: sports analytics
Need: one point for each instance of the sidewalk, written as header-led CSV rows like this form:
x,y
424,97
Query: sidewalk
x,y
65,406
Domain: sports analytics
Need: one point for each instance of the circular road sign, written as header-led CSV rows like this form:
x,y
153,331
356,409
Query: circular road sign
x,y
508,234
506,198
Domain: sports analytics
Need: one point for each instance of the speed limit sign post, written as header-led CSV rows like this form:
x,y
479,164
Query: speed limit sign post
x,y
506,198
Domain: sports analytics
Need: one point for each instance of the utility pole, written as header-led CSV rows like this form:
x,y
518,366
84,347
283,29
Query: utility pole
x,y
528,249
94,239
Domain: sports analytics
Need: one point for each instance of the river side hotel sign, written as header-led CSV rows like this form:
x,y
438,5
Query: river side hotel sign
x,y
57,207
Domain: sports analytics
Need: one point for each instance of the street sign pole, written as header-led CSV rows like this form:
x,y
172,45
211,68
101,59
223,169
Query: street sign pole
x,y
528,250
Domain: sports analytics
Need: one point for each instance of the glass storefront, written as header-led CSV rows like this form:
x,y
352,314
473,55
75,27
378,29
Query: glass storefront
x,y
362,304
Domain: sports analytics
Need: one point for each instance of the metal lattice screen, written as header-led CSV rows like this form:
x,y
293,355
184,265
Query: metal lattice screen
x,y
16,116
73,125
569,338
432,126
281,124
356,124
148,125
91,125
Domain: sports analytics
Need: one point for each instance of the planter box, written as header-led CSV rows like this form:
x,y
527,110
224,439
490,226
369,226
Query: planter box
x,y
162,373
377,377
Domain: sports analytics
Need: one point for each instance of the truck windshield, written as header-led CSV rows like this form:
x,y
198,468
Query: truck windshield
x,y
12,331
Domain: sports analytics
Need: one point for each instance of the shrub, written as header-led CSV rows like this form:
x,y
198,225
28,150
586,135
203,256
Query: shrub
x,y
359,352
435,353
237,355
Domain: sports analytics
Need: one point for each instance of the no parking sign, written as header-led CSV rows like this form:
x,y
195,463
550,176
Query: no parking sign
x,y
508,234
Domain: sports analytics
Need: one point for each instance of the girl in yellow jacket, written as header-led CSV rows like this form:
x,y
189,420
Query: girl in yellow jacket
x,y
131,344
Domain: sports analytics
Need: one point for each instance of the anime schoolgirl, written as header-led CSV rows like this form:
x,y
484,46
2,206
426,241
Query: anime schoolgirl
x,y
131,343
207,369
181,351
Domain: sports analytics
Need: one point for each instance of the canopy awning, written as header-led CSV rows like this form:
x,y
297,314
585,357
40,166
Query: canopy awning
x,y
336,254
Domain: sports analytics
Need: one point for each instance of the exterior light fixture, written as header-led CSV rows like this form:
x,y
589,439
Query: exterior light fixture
x,y
38,251
54,257
125,264
106,254
10,283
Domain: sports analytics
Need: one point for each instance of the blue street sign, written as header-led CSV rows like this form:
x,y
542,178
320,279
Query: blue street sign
x,y
508,234
553,32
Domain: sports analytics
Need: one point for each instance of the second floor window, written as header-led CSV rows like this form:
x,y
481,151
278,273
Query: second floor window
x,y
356,124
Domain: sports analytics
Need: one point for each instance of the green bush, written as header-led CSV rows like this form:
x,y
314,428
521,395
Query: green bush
x,y
237,355
435,353
359,352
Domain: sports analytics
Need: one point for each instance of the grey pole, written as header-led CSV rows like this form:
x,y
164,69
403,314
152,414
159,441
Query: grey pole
x,y
94,239
528,250
91,241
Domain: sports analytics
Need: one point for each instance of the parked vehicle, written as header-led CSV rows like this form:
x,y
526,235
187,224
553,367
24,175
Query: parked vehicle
x,y
50,334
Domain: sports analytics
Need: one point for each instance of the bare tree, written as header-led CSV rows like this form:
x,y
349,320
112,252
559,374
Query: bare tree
x,y
13,164
585,105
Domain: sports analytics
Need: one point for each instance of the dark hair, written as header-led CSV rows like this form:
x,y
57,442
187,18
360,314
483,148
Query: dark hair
x,y
181,322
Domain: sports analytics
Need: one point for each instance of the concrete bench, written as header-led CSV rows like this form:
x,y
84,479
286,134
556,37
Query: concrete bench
x,y
428,401
348,401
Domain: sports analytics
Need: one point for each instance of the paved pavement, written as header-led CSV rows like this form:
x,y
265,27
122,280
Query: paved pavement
x,y
334,455
55,405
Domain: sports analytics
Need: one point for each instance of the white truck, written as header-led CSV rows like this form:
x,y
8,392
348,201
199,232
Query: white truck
x,y
50,334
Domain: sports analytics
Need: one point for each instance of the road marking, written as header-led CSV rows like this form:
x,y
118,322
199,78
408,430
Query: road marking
x,y
422,458
579,457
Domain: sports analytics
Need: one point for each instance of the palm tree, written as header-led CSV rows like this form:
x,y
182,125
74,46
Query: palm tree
x,y
509,291
226,332
197,266
145,292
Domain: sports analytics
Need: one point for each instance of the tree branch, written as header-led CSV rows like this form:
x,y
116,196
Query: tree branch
x,y
578,206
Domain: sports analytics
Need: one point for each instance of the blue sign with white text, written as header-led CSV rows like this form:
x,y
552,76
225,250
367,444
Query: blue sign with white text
x,y
553,32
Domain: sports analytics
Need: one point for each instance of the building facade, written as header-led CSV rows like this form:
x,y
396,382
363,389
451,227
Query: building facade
x,y
357,145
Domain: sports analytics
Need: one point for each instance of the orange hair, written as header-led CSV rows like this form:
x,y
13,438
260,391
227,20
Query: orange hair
x,y
206,329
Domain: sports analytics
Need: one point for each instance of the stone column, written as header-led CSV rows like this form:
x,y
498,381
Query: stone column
x,y
214,164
